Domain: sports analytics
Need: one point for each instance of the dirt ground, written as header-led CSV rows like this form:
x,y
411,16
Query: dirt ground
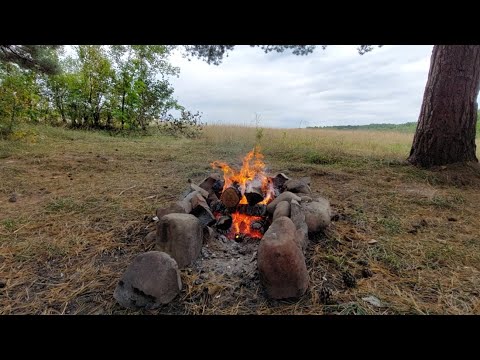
x,y
75,208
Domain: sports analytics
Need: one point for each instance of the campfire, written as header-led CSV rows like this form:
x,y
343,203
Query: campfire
x,y
242,206
271,216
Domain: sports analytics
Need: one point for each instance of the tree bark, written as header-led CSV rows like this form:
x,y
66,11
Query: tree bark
x,y
447,123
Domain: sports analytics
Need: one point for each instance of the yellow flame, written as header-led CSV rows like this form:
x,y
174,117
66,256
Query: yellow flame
x,y
252,170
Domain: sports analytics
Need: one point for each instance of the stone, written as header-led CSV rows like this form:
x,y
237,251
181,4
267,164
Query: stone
x,y
176,207
279,180
180,236
298,218
297,186
207,184
307,180
281,262
282,209
202,191
285,196
152,279
317,214
202,211
151,236
208,234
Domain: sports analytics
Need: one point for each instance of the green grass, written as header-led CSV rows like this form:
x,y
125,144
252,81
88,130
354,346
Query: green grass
x,y
84,199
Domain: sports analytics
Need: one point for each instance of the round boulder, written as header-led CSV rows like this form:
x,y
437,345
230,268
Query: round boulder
x,y
317,214
281,262
151,279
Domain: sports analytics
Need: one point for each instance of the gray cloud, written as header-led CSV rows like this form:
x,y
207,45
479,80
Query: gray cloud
x,y
331,87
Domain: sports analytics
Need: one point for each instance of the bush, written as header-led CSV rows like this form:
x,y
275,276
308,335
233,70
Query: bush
x,y
188,125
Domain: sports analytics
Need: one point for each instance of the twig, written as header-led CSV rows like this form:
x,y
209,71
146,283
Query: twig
x,y
64,308
131,187
20,227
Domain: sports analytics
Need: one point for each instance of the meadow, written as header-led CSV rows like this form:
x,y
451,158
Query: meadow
x,y
85,200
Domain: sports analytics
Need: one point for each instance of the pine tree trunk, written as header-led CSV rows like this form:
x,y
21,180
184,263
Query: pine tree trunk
x,y
446,127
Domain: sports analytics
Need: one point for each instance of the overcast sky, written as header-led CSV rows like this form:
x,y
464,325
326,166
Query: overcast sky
x,y
336,86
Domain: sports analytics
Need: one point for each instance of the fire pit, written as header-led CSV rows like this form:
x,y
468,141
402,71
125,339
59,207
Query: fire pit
x,y
243,198
270,216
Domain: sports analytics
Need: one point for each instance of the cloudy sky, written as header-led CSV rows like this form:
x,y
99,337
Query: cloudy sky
x,y
336,86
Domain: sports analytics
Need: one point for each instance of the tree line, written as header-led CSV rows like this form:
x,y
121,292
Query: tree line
x,y
126,86
96,86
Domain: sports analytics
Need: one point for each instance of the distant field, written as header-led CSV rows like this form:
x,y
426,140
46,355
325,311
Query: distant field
x,y
409,127
85,200
317,146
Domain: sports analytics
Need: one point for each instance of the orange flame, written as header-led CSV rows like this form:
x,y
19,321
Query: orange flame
x,y
251,174
241,224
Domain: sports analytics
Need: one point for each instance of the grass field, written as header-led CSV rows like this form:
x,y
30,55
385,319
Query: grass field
x,y
85,200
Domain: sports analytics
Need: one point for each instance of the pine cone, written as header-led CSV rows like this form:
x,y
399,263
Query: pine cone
x,y
349,279
366,273
325,294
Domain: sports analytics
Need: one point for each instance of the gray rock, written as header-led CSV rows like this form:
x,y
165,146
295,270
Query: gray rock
x,y
208,234
176,207
279,180
180,236
298,218
282,209
151,236
208,183
285,196
202,191
307,180
297,186
317,214
281,262
151,279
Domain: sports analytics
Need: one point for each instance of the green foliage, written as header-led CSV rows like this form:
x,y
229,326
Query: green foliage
x,y
19,97
187,125
118,87
39,58
214,54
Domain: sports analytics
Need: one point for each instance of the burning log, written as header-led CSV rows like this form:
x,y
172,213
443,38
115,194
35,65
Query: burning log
x,y
254,195
224,223
231,196
218,187
255,210
201,210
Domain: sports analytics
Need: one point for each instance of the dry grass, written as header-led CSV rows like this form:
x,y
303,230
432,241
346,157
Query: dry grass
x,y
85,200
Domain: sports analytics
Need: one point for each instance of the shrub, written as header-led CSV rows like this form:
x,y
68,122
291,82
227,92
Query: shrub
x,y
188,125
